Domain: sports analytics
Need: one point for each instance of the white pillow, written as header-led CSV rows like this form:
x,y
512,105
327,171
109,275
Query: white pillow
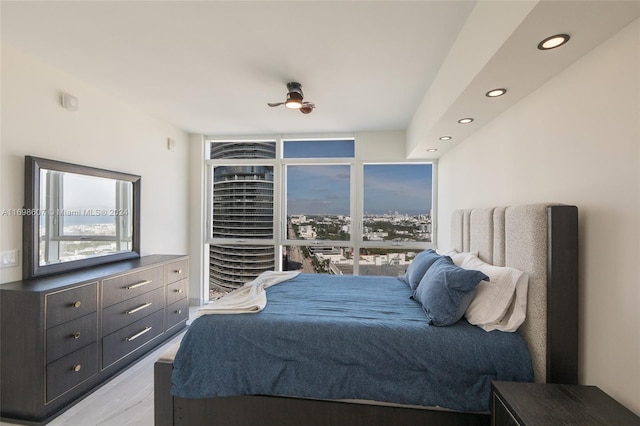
x,y
501,303
456,256
517,311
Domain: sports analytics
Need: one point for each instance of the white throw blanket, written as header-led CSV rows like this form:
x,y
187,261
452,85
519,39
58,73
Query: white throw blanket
x,y
250,298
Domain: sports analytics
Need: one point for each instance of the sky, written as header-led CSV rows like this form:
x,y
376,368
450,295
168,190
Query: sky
x,y
325,189
313,190
319,149
88,192
405,188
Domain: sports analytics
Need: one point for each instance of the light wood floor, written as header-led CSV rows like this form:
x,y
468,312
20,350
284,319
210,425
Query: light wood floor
x,y
125,400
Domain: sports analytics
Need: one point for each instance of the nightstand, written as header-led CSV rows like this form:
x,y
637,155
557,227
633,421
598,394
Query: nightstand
x,y
537,404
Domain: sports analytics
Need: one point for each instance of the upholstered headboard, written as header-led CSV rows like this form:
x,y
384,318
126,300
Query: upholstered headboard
x,y
542,240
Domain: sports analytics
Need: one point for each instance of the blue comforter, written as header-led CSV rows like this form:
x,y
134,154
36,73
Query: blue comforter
x,y
347,337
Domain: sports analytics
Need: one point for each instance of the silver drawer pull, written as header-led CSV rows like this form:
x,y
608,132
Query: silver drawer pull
x,y
135,336
76,335
76,304
139,308
76,367
178,271
178,290
140,284
178,311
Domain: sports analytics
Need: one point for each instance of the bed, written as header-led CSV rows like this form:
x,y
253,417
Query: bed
x,y
538,239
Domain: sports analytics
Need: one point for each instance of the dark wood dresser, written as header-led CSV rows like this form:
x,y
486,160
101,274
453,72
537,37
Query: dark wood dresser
x,y
537,404
63,335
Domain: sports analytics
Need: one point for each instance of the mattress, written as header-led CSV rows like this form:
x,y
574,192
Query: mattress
x,y
346,337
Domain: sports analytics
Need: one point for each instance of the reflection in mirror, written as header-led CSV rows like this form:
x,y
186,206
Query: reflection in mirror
x,y
78,216
86,216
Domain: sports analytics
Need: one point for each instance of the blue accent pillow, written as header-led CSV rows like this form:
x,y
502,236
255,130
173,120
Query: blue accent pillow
x,y
446,290
418,267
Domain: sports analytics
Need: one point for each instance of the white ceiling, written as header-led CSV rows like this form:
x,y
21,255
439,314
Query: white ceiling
x,y
210,67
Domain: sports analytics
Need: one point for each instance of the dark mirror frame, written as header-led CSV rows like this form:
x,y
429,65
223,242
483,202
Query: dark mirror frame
x,y
31,222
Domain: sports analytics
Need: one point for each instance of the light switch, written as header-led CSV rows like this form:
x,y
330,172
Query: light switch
x,y
9,258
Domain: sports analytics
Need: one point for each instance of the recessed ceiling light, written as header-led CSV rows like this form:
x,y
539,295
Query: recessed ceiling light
x,y
465,120
553,41
495,93
445,138
431,150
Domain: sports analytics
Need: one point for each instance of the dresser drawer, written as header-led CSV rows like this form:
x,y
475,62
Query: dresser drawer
x,y
72,335
71,370
124,313
177,312
177,270
70,304
123,287
126,340
177,290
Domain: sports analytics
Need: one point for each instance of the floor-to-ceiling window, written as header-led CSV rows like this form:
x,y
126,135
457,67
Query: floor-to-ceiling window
x,y
312,205
317,197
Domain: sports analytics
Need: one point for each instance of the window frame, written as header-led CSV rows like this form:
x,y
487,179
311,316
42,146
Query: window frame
x,y
55,236
356,202
404,244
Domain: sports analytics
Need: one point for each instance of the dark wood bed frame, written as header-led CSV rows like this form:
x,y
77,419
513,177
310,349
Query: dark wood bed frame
x,y
561,364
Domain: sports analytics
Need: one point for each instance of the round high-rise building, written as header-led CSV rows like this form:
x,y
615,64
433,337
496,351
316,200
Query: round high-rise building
x,y
242,210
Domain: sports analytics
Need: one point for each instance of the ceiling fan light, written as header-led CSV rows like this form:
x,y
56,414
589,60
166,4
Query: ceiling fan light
x,y
293,104
294,100
306,109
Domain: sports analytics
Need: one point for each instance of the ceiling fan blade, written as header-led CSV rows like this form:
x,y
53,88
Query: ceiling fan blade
x,y
275,104
307,107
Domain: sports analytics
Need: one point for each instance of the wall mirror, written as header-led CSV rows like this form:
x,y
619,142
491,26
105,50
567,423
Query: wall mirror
x,y
78,216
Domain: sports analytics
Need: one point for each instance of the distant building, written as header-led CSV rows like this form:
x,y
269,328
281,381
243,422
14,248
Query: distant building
x,y
306,232
298,219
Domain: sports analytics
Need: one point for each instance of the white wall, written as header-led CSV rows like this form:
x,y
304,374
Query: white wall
x,y
381,146
575,140
104,133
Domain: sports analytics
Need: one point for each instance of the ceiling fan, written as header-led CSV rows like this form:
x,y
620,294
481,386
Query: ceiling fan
x,y
295,99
